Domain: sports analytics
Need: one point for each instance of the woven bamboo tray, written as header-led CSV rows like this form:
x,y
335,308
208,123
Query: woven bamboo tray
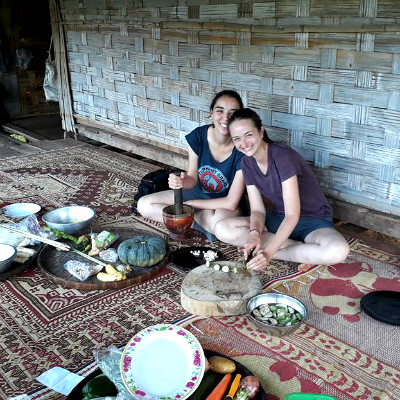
x,y
51,262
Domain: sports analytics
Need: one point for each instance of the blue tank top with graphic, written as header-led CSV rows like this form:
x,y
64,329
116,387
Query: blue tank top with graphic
x,y
215,178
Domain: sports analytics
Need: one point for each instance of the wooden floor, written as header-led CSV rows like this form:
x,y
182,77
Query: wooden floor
x,y
44,133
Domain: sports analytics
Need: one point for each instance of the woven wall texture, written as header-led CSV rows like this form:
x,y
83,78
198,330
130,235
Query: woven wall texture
x,y
325,77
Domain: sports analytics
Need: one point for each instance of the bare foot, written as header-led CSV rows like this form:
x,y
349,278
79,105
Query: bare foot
x,y
304,267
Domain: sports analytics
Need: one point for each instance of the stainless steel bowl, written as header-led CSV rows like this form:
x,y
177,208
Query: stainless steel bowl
x,y
274,298
69,219
7,255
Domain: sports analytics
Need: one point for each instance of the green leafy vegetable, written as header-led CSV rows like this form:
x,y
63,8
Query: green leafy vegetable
x,y
83,241
99,386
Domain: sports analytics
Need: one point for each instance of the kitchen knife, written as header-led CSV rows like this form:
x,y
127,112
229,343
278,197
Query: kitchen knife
x,y
250,255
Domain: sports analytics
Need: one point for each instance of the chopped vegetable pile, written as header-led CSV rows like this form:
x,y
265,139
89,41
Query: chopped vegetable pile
x,y
277,314
82,242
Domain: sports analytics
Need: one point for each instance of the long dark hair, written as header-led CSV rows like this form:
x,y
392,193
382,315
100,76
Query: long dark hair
x,y
248,113
228,93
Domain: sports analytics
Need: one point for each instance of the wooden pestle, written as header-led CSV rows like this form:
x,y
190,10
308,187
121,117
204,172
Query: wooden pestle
x,y
178,202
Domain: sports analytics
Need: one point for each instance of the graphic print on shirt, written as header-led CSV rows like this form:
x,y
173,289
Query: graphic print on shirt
x,y
212,179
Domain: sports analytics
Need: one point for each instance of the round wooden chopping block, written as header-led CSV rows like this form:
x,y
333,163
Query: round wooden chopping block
x,y
213,293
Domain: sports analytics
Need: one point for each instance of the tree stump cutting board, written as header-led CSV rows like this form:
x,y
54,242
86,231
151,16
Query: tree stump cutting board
x,y
213,293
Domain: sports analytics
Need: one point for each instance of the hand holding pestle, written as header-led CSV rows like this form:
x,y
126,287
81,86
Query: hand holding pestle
x,y
178,202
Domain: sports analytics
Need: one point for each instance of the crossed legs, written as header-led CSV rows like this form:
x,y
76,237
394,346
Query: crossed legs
x,y
323,246
151,207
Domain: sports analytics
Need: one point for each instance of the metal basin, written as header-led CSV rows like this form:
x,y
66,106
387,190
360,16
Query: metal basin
x,y
276,298
69,219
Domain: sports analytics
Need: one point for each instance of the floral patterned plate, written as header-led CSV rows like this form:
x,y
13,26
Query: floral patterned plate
x,y
162,362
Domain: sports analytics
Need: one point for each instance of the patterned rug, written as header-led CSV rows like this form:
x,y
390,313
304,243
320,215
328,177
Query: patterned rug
x,y
44,325
338,351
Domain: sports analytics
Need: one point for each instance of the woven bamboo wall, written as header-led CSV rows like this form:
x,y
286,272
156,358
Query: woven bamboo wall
x,y
324,75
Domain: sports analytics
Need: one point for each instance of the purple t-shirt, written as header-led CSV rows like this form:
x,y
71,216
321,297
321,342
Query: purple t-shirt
x,y
283,163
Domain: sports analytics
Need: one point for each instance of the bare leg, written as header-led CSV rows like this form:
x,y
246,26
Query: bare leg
x,y
209,218
235,231
323,246
151,206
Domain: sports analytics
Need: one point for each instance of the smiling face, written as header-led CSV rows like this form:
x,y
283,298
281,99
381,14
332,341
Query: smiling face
x,y
246,137
221,113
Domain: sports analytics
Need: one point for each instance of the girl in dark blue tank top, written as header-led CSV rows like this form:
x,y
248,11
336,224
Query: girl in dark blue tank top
x,y
213,183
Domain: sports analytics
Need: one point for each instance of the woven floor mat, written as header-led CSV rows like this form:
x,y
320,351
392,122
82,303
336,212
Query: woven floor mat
x,y
43,324
339,350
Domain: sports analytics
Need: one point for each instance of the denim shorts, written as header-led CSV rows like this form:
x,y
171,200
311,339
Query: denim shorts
x,y
305,225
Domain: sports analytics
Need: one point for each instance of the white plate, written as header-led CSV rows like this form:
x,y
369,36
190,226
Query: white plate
x,y
162,362
21,210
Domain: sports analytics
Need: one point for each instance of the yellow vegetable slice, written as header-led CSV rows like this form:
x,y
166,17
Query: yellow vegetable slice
x,y
104,277
111,270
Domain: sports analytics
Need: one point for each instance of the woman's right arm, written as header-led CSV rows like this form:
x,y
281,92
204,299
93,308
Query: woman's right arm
x,y
257,220
186,180
229,202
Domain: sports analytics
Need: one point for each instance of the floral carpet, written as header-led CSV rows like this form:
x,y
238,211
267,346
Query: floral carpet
x,y
339,350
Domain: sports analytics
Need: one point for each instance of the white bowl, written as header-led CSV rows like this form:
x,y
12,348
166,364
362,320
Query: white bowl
x,y
7,255
21,210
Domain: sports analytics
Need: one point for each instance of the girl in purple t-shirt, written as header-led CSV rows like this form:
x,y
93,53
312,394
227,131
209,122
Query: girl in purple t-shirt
x,y
299,225
213,184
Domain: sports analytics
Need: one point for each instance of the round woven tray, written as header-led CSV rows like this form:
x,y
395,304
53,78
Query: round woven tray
x,y
51,262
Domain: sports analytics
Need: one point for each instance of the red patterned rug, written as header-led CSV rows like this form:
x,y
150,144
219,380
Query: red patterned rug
x,y
339,350
44,325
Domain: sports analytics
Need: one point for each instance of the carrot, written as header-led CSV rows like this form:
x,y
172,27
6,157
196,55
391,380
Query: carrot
x,y
220,390
234,387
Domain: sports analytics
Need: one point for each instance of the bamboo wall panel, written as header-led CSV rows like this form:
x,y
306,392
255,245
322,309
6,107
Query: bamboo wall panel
x,y
324,76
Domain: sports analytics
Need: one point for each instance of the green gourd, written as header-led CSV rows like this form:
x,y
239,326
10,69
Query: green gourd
x,y
99,386
142,251
206,386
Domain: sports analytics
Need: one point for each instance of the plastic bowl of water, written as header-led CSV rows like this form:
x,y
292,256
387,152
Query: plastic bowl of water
x,y
7,255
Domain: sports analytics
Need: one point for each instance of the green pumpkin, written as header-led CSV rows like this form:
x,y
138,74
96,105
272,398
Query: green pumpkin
x,y
99,386
143,251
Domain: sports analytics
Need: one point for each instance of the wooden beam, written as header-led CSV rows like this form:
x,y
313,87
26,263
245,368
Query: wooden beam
x,y
126,133
32,136
147,150
366,217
